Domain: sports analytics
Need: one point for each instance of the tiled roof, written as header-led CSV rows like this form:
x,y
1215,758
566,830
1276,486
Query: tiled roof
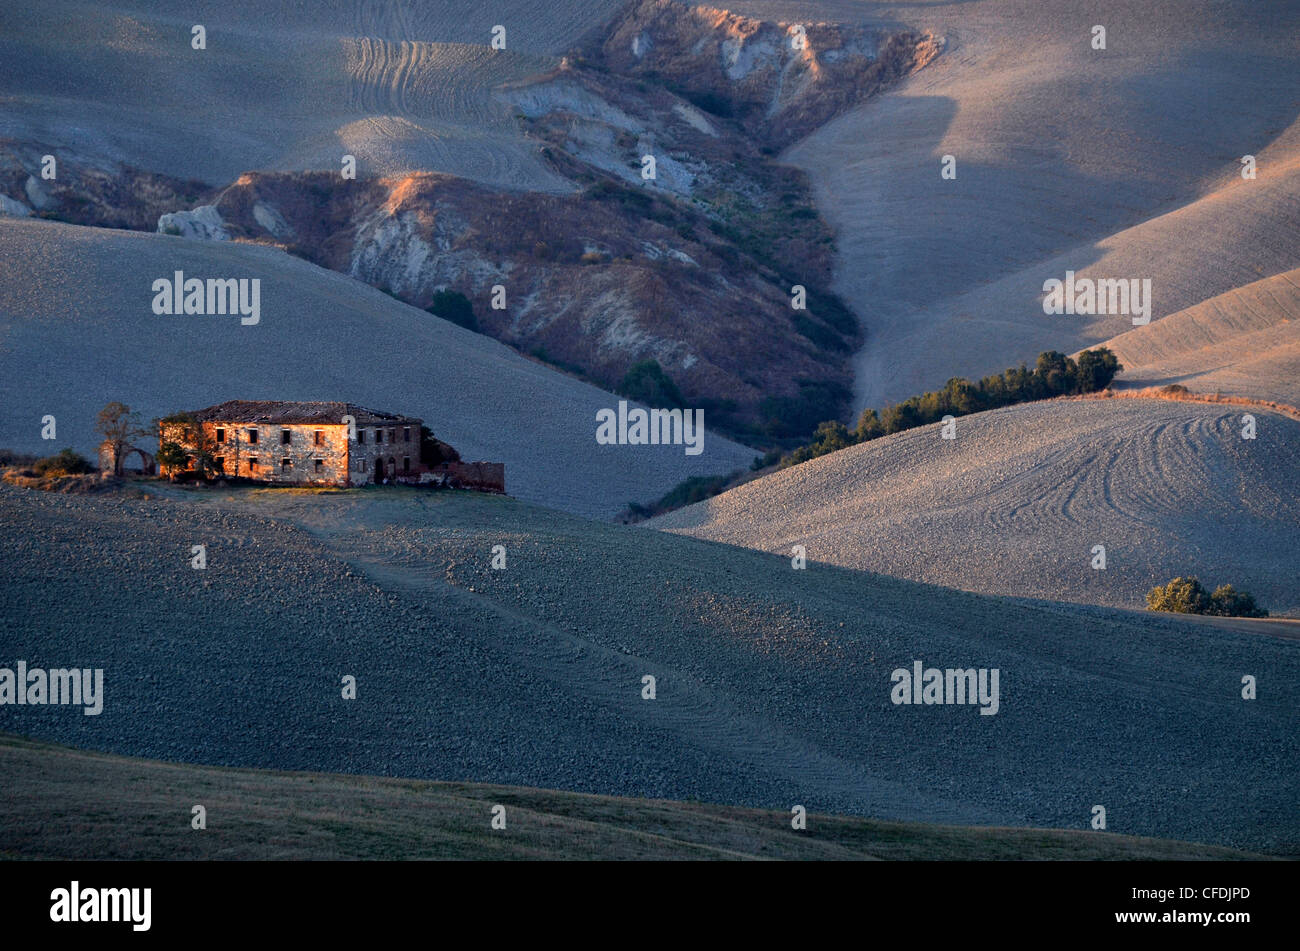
x,y
278,411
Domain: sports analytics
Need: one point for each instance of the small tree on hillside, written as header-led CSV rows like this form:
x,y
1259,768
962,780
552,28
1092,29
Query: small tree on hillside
x,y
434,451
172,457
119,426
647,383
1095,370
456,307
869,426
1226,601
1181,596
188,435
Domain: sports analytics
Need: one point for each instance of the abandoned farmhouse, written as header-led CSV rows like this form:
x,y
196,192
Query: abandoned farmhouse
x,y
325,443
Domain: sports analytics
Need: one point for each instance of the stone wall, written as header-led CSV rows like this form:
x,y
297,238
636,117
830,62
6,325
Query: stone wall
x,y
482,476
316,454
400,447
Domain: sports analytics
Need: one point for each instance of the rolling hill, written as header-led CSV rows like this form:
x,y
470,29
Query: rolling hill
x,y
1115,163
772,686
77,331
1244,342
401,86
143,813
1014,505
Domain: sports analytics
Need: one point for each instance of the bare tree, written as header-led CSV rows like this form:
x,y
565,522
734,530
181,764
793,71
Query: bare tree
x,y
119,426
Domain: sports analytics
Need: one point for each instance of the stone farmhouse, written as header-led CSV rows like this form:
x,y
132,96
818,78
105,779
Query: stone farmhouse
x,y
325,443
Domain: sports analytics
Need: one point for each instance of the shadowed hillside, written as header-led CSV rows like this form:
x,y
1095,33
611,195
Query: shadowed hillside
x,y
77,330
772,686
144,808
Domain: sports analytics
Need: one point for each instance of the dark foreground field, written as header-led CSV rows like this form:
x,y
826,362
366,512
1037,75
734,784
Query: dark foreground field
x,y
61,803
773,684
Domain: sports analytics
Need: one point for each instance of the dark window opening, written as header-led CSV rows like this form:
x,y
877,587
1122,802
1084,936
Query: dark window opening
x,y
319,437
361,436
285,435
406,434
252,463
320,465
286,465
221,434
252,437
406,463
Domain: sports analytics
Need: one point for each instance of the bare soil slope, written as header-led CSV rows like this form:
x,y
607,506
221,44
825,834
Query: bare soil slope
x,y
402,86
1015,504
1119,163
77,330
772,685
1245,342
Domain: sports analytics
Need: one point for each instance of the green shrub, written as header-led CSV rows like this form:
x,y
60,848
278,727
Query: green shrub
x,y
63,462
1228,602
1095,370
1188,596
456,307
692,490
1181,596
646,382
12,457
869,426
171,455
795,416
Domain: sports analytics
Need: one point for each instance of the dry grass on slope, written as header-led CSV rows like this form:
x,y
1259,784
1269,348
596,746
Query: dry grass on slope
x,y
142,811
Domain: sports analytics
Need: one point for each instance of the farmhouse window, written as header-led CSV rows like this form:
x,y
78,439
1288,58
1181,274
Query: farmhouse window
x,y
286,465
320,465
406,463
285,436
319,437
221,434
406,434
252,437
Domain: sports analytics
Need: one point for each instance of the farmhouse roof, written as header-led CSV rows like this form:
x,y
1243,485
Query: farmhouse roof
x,y
279,411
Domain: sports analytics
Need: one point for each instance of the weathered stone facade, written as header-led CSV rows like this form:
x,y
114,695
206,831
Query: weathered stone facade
x,y
320,444
303,443
385,450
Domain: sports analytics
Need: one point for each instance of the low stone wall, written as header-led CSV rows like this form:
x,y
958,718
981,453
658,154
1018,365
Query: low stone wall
x,y
481,476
